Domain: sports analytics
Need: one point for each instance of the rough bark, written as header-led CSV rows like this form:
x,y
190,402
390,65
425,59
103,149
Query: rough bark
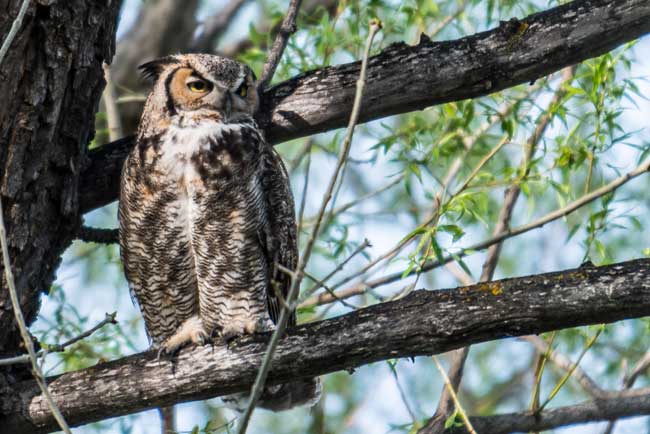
x,y
404,78
424,323
50,83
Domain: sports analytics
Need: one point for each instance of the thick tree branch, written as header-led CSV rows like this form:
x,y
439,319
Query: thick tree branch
x,y
404,78
423,323
590,411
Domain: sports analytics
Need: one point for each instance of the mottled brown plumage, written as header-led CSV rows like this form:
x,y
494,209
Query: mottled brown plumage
x,y
206,212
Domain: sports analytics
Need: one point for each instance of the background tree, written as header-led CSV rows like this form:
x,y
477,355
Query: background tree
x,y
553,136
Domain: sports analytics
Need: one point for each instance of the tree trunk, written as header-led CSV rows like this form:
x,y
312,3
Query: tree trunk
x,y
50,83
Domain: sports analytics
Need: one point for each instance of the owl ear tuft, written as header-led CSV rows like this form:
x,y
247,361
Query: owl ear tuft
x,y
152,70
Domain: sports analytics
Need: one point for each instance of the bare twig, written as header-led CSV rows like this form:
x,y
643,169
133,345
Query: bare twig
x,y
321,284
540,364
57,348
564,363
98,235
113,121
346,206
641,366
287,28
482,163
460,274
27,339
304,151
571,370
402,394
303,198
450,388
295,282
512,193
338,268
215,25
447,20
15,26
167,420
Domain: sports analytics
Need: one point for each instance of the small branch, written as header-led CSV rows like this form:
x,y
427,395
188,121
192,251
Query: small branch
x,y
641,366
22,326
167,420
571,369
452,393
304,258
321,284
215,25
567,365
113,121
305,187
338,268
402,394
287,29
482,163
57,348
15,26
448,19
341,209
98,235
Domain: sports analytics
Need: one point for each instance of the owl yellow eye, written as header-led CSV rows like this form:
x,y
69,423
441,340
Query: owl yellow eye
x,y
197,86
242,90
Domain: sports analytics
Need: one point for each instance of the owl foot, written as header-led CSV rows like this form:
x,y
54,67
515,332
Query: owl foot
x,y
236,329
190,331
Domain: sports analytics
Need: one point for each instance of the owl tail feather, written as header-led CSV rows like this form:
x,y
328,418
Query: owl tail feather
x,y
280,397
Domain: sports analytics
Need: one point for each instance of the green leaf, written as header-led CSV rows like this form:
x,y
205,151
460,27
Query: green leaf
x,y
456,232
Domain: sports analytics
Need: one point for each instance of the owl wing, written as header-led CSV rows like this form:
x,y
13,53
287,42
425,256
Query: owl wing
x,y
279,237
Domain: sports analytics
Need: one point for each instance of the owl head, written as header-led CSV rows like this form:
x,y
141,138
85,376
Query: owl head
x,y
201,86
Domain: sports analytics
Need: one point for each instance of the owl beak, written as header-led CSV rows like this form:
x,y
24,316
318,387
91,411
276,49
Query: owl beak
x,y
220,101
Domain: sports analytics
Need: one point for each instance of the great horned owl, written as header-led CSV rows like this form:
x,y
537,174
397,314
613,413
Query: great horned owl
x,y
206,212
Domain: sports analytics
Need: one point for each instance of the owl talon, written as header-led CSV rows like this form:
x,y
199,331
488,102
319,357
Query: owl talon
x,y
237,329
161,351
191,331
229,334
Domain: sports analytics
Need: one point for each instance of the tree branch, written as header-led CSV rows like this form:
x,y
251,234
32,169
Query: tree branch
x,y
98,235
404,78
287,29
422,323
590,411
